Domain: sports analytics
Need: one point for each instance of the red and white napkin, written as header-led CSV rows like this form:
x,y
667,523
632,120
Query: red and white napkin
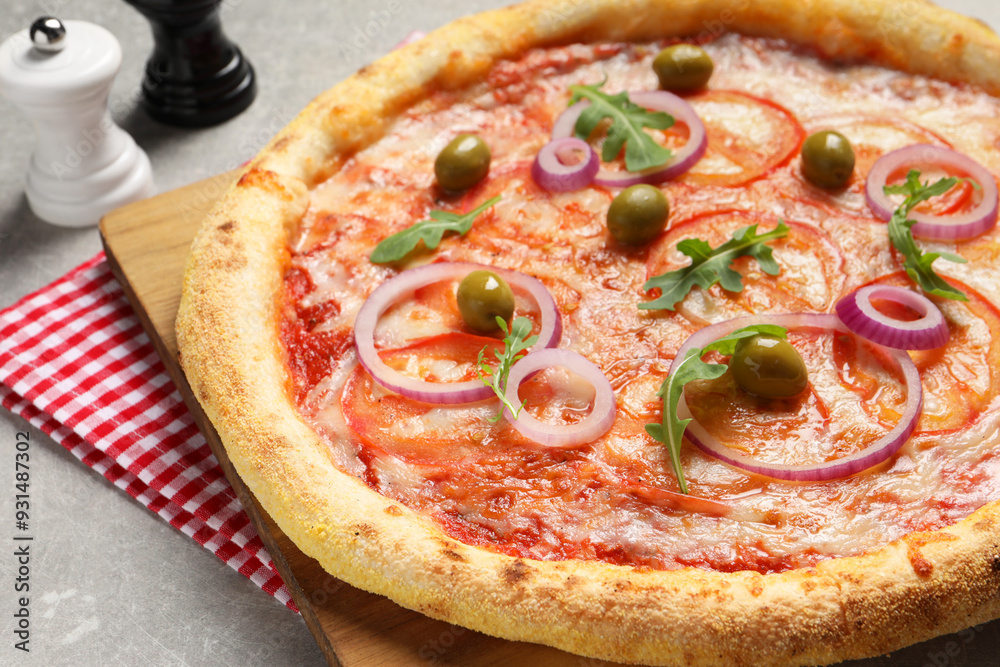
x,y
76,363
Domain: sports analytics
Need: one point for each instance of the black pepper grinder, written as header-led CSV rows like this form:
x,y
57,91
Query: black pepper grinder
x,y
196,76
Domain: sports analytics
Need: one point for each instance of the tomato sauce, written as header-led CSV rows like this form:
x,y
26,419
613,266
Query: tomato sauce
x,y
617,499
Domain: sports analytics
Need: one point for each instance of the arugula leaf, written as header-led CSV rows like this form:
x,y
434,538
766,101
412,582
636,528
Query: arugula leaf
x,y
712,265
396,247
627,121
514,345
671,430
917,262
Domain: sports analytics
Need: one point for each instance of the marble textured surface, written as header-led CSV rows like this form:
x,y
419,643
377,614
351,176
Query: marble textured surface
x,y
111,583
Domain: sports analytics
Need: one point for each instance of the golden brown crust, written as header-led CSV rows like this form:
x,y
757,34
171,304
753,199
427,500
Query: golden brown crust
x,y
913,589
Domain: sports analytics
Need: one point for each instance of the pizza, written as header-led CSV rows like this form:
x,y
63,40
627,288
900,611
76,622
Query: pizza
x,y
608,469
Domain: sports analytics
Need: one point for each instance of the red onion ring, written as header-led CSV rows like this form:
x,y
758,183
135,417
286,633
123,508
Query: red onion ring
x,y
553,170
562,436
876,453
956,227
659,100
405,284
859,315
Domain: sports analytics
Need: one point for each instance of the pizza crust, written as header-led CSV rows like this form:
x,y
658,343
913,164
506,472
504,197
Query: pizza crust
x,y
924,585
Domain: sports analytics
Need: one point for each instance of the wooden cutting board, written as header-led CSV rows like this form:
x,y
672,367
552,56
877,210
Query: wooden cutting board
x,y
147,244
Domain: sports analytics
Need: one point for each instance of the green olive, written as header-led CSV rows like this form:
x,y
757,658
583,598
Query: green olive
x,y
683,67
483,296
827,159
462,163
769,367
638,214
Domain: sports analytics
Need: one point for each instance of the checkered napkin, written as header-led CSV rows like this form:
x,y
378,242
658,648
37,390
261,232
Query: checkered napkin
x,y
76,363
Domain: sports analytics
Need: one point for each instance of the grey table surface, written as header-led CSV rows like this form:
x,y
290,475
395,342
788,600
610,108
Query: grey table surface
x,y
112,583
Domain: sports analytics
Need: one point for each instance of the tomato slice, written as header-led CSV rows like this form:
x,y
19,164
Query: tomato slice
x,y
422,433
960,198
827,422
984,248
419,432
961,379
957,200
748,137
871,137
360,212
811,278
532,215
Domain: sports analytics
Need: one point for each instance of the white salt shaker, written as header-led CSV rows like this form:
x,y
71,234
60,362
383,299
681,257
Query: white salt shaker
x,y
59,74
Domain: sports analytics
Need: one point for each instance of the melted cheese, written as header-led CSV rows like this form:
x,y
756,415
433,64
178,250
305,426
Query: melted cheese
x,y
589,503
